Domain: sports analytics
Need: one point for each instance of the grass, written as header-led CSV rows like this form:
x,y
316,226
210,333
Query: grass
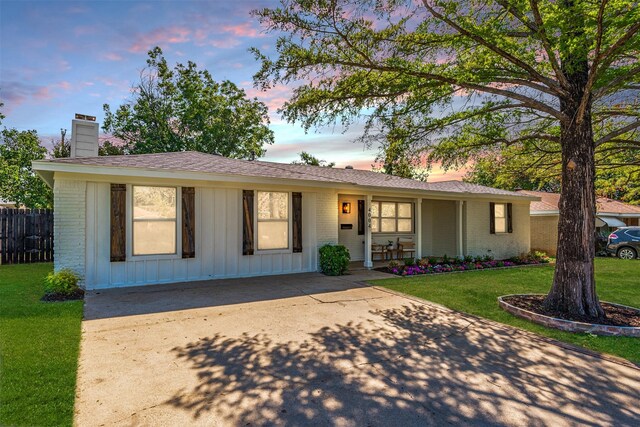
x,y
39,344
477,292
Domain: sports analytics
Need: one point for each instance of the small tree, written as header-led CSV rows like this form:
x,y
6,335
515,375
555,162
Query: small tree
x,y
18,181
183,109
460,73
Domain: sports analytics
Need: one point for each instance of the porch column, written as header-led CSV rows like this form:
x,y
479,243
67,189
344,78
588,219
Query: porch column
x,y
418,237
459,228
368,263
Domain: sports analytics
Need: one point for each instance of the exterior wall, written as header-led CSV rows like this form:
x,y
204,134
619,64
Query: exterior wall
x,y
69,226
326,217
544,233
479,241
438,227
218,242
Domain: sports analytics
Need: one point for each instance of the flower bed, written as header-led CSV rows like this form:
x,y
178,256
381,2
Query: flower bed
x,y
431,265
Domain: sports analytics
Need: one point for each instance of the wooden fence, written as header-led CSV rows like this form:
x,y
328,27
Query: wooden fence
x,y
26,235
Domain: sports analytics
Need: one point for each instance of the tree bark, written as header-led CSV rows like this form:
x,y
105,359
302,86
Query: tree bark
x,y
574,288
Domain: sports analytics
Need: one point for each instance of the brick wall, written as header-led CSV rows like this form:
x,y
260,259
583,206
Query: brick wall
x,y
544,233
479,241
69,200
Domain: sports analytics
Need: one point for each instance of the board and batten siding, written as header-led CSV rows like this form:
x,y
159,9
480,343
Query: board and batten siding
x,y
218,246
479,240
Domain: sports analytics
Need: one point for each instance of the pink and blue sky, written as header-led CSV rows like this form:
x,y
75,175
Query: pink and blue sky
x,y
59,57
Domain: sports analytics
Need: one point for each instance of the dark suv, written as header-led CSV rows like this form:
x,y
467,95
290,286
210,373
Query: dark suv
x,y
624,242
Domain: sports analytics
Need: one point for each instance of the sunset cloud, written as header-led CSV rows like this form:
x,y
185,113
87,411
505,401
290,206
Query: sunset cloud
x,y
159,37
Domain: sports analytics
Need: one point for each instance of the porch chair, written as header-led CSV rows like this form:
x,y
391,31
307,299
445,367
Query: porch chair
x,y
380,250
406,247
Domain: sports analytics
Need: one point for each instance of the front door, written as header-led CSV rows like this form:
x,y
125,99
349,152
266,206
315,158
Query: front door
x,y
351,217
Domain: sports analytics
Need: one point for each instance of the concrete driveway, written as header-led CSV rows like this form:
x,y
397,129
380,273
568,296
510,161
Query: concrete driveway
x,y
308,349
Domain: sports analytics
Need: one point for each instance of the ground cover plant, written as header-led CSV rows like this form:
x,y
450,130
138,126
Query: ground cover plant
x,y
477,294
39,344
434,265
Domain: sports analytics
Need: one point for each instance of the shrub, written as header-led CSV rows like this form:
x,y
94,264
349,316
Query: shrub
x,y
334,260
409,262
63,283
433,260
445,259
469,258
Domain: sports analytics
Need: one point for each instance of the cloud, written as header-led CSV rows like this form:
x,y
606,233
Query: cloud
x,y
14,93
160,36
111,56
246,29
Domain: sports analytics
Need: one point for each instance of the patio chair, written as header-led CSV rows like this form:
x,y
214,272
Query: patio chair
x,y
406,247
379,250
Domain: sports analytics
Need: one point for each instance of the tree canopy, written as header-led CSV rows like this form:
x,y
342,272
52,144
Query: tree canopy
x,y
308,159
461,78
184,109
18,181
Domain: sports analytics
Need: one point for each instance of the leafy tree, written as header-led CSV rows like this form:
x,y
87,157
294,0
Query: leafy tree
x,y
463,76
61,147
18,182
308,159
185,109
511,168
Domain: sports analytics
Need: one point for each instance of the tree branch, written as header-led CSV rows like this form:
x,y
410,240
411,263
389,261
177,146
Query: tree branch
x,y
535,75
631,126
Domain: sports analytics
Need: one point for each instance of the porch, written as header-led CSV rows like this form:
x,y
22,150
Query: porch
x,y
374,227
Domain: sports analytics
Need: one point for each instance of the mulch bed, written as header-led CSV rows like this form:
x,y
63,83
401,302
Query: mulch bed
x,y
614,316
79,294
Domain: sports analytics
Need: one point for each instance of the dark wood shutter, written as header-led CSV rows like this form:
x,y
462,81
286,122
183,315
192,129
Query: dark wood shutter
x,y
118,222
360,217
297,221
509,218
492,218
188,222
247,222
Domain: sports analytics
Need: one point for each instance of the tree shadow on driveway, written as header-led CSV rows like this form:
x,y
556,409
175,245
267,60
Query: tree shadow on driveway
x,y
413,365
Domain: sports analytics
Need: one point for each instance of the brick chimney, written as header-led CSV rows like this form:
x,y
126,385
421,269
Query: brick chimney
x,y
84,136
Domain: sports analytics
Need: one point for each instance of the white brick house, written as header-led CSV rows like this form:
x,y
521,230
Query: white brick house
x,y
172,217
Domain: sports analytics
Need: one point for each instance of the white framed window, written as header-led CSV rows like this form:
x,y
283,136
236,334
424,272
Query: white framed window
x,y
273,220
391,217
154,218
500,217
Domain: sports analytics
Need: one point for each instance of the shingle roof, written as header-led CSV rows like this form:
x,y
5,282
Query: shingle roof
x,y
550,202
190,161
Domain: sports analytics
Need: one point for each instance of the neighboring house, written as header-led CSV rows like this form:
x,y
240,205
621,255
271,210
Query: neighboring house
x,y
172,217
610,214
7,204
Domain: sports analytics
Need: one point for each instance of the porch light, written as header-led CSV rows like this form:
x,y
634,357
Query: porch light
x,y
346,207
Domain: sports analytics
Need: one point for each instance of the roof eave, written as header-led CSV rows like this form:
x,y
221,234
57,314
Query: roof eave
x,y
47,168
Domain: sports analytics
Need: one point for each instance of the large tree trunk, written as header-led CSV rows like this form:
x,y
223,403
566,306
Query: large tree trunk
x,y
574,288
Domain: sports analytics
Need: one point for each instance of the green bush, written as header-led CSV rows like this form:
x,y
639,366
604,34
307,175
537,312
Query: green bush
x,y
63,282
409,262
334,260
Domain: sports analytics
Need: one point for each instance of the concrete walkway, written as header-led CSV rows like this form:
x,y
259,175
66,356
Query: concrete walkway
x,y
308,349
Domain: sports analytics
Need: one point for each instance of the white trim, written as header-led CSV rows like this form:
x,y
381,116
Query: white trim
x,y
368,263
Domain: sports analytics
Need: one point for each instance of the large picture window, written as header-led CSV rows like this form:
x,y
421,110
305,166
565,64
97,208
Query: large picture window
x,y
500,215
391,217
154,220
273,220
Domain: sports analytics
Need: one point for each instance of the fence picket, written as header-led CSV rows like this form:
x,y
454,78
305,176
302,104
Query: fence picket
x,y
26,235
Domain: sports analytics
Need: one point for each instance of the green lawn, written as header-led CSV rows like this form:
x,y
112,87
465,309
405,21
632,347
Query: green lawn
x,y
477,292
38,350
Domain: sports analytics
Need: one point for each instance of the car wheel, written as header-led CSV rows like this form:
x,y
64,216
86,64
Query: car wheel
x,y
627,253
